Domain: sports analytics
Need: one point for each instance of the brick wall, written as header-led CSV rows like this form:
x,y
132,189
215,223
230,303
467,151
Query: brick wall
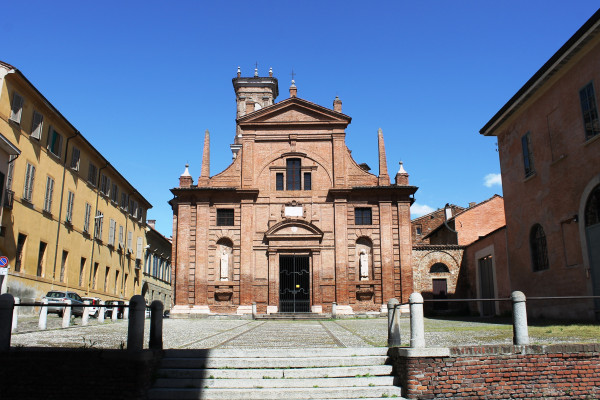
x,y
76,374
500,372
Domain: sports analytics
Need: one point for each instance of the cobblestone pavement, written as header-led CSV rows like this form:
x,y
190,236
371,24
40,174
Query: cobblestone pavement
x,y
246,333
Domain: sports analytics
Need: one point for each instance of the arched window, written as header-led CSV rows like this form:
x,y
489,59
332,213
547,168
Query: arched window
x,y
592,208
539,250
438,268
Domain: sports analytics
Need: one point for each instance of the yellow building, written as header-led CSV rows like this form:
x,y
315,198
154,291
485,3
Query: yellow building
x,y
156,278
71,220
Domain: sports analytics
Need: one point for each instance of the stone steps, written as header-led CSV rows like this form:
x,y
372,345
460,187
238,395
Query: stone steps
x,y
294,316
274,374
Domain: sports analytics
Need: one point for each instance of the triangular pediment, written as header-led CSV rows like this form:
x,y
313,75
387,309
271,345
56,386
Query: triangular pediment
x,y
294,111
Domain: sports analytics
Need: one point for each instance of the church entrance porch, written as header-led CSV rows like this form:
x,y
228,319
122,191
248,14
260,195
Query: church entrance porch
x,y
294,283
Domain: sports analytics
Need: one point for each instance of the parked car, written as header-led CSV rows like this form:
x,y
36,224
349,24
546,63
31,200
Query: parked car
x,y
94,301
109,307
58,297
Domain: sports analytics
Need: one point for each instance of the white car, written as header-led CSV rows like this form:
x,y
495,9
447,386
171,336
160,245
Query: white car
x,y
94,301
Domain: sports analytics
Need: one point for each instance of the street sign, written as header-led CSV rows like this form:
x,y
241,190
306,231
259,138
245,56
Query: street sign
x,y
3,261
3,271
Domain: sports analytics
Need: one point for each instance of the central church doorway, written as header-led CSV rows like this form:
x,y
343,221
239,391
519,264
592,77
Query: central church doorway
x,y
294,283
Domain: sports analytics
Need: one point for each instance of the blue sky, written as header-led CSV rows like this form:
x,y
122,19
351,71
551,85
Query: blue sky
x,y
142,80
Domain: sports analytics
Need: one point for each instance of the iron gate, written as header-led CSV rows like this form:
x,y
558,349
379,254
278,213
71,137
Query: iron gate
x,y
294,283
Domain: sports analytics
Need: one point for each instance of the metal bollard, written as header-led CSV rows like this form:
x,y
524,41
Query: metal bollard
x,y
7,305
520,330
85,318
66,320
15,318
334,310
126,310
417,325
135,331
156,324
43,322
254,310
101,312
393,323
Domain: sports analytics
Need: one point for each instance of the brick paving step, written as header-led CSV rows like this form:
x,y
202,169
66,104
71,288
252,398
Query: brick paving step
x,y
291,374
293,316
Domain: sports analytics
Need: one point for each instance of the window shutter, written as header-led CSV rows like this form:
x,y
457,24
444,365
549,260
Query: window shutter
x,y
121,242
129,241
111,232
36,126
138,253
17,108
75,159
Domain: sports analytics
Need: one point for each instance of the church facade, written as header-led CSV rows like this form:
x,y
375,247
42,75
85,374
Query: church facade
x,y
294,224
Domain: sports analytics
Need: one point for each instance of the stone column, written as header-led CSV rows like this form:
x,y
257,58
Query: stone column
x,y
15,319
417,325
66,320
394,338
101,311
520,330
85,318
156,324
137,315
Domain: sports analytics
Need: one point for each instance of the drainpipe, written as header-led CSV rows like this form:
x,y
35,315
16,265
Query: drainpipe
x,y
94,233
62,195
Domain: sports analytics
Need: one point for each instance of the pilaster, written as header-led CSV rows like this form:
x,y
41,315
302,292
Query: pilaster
x,y
341,251
405,240
387,250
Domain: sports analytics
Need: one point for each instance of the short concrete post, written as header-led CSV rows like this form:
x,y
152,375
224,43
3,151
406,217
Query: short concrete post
x,y
254,313
393,323
520,330
15,320
67,315
115,312
417,324
137,315
126,311
101,312
7,305
156,324
334,310
85,318
43,323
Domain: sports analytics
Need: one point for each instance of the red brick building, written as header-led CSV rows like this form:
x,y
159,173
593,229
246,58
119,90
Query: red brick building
x,y
423,225
294,223
549,144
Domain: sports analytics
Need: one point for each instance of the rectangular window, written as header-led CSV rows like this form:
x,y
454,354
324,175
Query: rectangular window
x,y
49,194
63,263
130,241
307,181
114,193
41,259
104,184
527,154
37,125
140,216
116,281
124,201
81,270
75,156
279,181
10,172
86,218
293,174
138,250
70,201
106,278
133,208
155,266
112,228
98,225
55,141
95,278
16,108
363,216
419,229
589,109
29,178
225,217
19,256
93,175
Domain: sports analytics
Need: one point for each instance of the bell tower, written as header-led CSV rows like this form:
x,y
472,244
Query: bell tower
x,y
252,94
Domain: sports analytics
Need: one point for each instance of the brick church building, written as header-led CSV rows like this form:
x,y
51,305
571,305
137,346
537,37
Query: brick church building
x,y
294,224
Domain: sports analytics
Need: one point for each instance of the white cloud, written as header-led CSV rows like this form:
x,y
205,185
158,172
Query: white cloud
x,y
492,179
416,210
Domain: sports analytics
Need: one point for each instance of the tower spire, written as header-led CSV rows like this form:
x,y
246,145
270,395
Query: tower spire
x,y
384,178
205,172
